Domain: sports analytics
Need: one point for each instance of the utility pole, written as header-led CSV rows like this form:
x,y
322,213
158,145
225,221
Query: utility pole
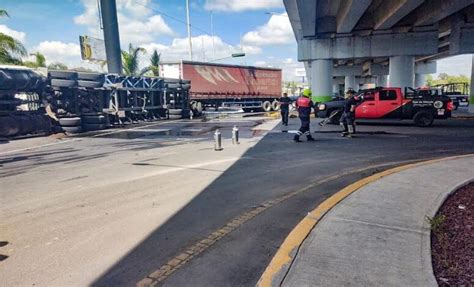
x,y
189,31
111,36
212,35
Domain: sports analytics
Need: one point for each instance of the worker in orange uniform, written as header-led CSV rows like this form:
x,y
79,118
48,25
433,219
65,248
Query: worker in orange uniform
x,y
304,104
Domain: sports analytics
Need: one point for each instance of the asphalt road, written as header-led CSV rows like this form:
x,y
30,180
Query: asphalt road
x,y
110,210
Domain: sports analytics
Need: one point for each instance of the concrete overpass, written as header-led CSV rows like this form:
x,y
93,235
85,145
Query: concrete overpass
x,y
359,38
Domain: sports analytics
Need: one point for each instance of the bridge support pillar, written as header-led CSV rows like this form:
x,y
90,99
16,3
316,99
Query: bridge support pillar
x,y
402,71
382,80
321,80
350,82
420,80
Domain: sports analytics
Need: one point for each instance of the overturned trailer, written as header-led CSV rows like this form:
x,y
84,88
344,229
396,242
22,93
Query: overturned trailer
x,y
77,101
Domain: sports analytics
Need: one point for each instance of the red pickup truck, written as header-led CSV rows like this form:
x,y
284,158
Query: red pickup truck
x,y
390,103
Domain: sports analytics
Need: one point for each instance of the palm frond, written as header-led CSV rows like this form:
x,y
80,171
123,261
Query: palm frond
x,y
4,13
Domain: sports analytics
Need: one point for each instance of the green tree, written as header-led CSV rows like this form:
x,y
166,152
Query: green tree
x,y
154,67
130,60
57,66
40,61
11,50
444,78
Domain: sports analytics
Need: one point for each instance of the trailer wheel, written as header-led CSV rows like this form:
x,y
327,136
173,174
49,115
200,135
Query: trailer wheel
x,y
175,111
175,117
423,118
96,77
8,127
70,122
89,84
72,130
24,123
37,123
267,106
66,75
96,119
63,83
276,105
93,127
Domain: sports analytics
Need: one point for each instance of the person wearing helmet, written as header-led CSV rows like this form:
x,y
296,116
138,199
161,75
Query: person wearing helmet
x,y
304,105
347,120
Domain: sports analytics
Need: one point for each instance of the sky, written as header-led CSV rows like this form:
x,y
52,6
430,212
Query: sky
x,y
260,28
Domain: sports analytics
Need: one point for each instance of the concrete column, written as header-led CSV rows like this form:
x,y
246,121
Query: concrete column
x,y
335,88
350,82
420,80
111,36
402,72
471,98
321,80
382,80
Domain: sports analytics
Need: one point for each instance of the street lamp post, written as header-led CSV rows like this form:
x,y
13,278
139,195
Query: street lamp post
x,y
234,55
189,31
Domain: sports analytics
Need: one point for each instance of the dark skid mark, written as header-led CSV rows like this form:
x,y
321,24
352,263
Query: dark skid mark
x,y
74,178
3,243
3,257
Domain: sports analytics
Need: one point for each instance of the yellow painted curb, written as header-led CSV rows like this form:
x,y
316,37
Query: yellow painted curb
x,y
287,251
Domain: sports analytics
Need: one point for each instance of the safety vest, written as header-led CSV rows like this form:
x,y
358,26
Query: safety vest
x,y
303,102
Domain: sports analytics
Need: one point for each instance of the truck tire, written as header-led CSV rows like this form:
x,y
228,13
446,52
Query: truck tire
x,y
173,86
89,84
72,130
70,122
37,123
8,127
96,119
63,83
175,111
93,127
267,106
95,77
24,123
423,118
65,75
276,105
175,117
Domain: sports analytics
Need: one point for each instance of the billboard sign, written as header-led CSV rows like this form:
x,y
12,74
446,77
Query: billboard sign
x,y
300,72
92,49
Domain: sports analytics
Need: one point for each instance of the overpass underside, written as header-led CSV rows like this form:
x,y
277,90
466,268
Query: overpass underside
x,y
389,42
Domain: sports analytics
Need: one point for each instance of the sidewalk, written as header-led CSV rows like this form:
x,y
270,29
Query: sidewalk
x,y
378,235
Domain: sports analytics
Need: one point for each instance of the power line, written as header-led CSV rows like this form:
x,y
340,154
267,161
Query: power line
x,y
173,18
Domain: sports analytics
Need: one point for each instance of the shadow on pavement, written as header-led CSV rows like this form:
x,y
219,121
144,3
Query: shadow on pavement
x,y
273,167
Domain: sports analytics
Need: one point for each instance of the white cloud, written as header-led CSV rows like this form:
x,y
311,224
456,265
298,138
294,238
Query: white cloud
x,y
242,5
137,25
277,31
260,64
203,49
66,53
18,35
456,65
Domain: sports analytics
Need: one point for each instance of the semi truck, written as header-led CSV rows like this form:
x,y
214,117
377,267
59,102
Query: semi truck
x,y
222,85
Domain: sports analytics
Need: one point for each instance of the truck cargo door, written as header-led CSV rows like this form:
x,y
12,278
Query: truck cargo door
x,y
388,104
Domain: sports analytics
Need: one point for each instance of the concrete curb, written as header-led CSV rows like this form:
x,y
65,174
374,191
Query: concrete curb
x,y
279,266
